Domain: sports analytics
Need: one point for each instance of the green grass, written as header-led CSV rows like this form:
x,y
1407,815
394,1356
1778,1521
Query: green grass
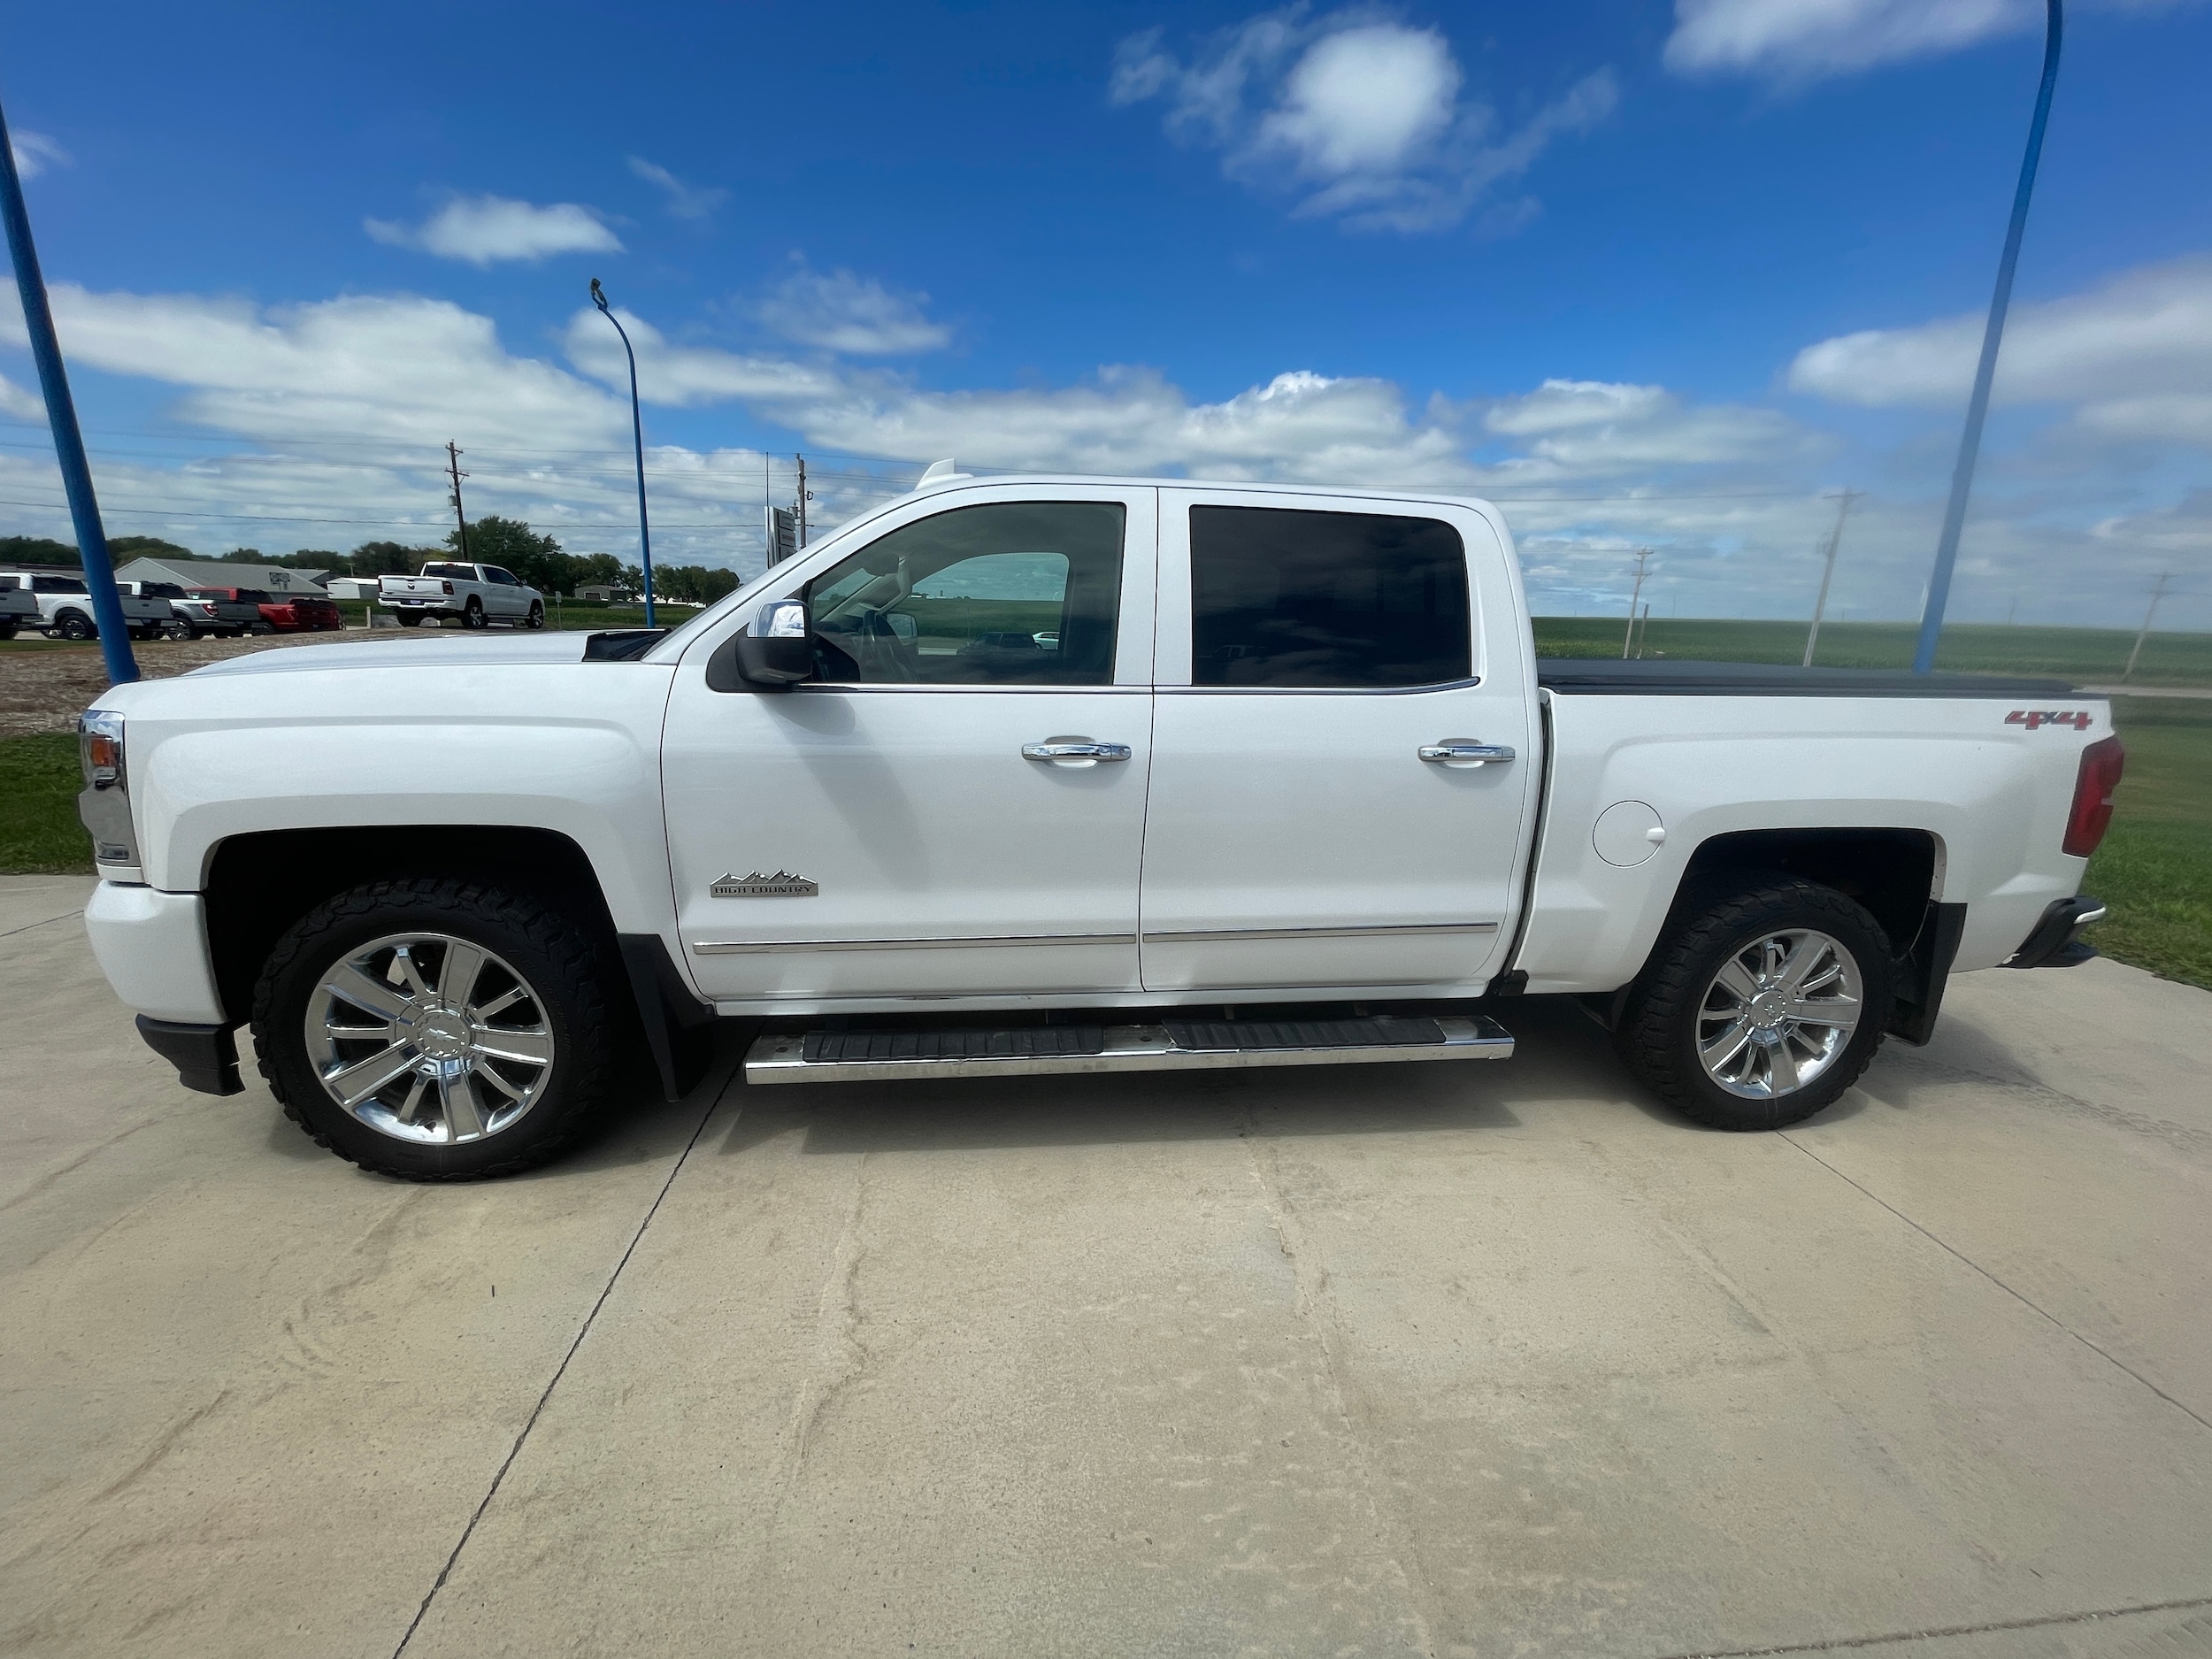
x,y
2090,656
39,831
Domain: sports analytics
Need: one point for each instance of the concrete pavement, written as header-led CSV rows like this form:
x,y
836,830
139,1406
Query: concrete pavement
x,y
1472,1360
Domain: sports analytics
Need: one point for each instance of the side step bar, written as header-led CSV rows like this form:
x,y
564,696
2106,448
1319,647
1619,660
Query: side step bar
x,y
1173,1045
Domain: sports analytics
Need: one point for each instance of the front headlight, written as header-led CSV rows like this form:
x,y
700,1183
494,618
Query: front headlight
x,y
100,746
105,804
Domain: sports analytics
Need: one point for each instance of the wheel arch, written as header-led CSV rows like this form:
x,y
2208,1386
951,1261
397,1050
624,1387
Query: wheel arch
x,y
259,883
1895,873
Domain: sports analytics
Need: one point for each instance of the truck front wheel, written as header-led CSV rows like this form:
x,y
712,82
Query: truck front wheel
x,y
1762,1010
437,1030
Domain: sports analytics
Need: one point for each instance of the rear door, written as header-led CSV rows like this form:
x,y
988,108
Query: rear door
x,y
955,806
1320,816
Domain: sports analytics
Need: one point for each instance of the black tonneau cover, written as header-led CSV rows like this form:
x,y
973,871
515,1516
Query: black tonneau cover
x,y
1601,676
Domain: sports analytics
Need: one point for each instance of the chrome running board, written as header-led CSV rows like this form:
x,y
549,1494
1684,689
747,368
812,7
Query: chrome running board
x,y
1172,1045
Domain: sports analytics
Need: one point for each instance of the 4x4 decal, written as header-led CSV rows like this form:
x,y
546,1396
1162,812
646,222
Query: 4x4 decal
x,y
2079,719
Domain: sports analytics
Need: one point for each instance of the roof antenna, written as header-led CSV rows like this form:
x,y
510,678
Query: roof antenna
x,y
940,473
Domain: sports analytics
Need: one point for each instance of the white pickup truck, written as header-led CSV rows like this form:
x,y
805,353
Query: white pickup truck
x,y
477,595
63,606
1062,775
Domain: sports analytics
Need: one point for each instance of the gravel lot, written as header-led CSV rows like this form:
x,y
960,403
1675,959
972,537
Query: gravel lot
x,y
1453,1360
44,684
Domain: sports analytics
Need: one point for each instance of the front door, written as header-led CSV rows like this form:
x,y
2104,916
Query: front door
x,y
1322,816
955,806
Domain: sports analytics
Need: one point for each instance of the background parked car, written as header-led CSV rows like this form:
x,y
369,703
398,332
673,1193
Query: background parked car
x,y
16,607
280,613
65,607
188,617
202,613
477,595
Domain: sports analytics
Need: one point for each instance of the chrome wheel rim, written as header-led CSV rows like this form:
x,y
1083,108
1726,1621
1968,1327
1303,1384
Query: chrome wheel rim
x,y
1779,1013
430,1039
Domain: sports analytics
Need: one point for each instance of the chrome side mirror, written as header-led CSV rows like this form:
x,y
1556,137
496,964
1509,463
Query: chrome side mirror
x,y
777,649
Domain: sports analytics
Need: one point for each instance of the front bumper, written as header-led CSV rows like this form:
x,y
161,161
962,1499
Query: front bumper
x,y
2055,943
152,946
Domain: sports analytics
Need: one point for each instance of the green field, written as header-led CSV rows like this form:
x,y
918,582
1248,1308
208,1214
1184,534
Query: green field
x,y
2092,656
2154,869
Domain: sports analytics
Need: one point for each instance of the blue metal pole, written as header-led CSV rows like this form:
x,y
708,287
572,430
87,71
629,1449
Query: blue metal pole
x,y
637,435
1992,336
61,414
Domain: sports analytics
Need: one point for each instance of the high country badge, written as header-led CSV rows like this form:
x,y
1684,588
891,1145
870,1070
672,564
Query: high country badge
x,y
782,884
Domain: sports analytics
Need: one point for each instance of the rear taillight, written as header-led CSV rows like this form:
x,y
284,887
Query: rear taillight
x,y
2092,815
446,585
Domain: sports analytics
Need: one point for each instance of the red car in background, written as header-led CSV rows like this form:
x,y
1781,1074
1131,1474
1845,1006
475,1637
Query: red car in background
x,y
285,613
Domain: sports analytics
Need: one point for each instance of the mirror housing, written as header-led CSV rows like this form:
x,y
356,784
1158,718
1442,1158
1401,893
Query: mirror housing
x,y
777,649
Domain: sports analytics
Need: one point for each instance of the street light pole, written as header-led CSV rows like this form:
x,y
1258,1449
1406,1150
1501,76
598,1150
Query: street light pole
x,y
1992,336
61,415
637,435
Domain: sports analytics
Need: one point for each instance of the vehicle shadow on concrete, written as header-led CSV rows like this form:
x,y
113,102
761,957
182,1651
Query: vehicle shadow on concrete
x,y
1560,1057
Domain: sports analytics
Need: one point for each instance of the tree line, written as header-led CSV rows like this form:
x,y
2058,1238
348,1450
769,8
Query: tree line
x,y
508,543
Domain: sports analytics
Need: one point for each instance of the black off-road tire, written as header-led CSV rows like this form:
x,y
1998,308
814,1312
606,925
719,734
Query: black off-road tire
x,y
562,962
1657,1034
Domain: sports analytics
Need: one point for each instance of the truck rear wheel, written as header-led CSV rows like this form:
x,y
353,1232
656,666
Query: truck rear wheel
x,y
1763,1010
437,1030
73,625
472,616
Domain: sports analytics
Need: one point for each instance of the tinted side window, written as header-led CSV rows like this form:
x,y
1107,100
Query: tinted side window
x,y
1020,593
1286,597
57,585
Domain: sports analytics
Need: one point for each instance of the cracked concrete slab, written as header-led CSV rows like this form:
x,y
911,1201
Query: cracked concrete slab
x,y
1425,1360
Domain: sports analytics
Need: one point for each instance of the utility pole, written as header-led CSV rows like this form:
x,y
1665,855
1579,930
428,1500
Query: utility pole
x,y
453,465
61,415
1642,555
1828,571
2157,594
1992,336
802,500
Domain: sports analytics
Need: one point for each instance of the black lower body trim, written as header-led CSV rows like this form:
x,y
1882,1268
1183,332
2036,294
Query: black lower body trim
x,y
206,1057
1925,972
2054,943
679,1027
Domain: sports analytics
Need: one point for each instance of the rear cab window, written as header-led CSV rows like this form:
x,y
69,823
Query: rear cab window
x,y
1313,599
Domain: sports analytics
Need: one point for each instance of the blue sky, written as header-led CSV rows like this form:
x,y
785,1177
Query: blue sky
x,y
1648,275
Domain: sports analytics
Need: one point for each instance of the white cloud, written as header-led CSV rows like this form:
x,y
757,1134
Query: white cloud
x,y
1797,41
20,402
35,153
859,316
485,229
384,368
680,376
2133,355
1360,115
337,411
685,201
1597,429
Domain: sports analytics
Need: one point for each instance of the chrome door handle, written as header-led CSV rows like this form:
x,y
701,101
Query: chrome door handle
x,y
1479,753
1075,751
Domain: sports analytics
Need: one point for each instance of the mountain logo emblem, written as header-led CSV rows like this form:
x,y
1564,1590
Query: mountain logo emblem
x,y
782,884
